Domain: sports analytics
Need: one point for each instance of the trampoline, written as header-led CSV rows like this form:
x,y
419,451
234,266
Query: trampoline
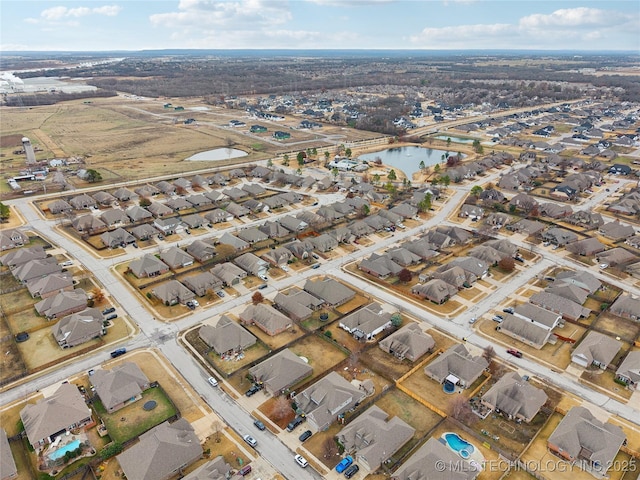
x,y
150,405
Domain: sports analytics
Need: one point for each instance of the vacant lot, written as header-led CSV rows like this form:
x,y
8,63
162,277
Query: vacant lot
x,y
615,326
322,355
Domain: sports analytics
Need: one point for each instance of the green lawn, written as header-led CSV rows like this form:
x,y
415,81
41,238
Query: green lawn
x,y
133,420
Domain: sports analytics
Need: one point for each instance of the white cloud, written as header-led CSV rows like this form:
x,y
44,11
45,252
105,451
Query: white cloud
x,y
54,14
565,28
233,15
349,3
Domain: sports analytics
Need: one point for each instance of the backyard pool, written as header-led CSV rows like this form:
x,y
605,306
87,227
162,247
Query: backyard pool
x,y
457,444
60,452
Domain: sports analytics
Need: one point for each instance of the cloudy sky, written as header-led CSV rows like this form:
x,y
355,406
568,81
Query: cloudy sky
x,y
319,24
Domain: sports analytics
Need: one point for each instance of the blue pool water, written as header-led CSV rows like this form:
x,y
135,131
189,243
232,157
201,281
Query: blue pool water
x,y
459,445
448,387
59,453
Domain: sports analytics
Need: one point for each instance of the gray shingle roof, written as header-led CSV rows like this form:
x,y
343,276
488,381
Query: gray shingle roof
x,y
226,335
119,384
281,371
515,397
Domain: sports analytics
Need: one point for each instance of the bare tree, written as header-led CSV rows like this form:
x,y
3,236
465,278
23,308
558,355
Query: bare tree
x,y
488,353
281,407
217,428
329,448
460,409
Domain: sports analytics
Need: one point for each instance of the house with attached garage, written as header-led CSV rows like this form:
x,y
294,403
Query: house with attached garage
x,y
409,342
159,210
148,266
380,266
23,255
366,322
201,251
457,366
176,258
120,386
626,306
252,264
298,304
202,283
172,293
226,336
88,223
332,292
138,214
328,398
79,328
629,370
168,226
50,285
117,238
35,269
596,349
267,318
62,304
53,416
114,216
228,273
281,371
435,290
569,309
515,398
143,232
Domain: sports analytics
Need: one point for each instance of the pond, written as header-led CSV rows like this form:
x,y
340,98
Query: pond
x,y
455,139
408,159
217,154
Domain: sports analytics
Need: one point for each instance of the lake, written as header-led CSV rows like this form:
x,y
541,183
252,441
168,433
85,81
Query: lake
x,y
455,139
217,154
407,159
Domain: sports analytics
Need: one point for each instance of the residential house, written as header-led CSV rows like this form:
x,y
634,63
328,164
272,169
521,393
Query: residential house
x,y
199,200
293,224
143,232
498,220
581,279
159,210
23,255
586,219
59,206
117,238
147,191
176,258
596,349
201,283
580,438
586,247
457,366
554,210
280,372
182,184
252,264
616,231
216,469
298,305
455,276
138,214
254,189
12,238
252,235
629,370
168,226
124,195
267,318
50,285
568,291
172,292
88,224
373,438
8,469
435,461
435,290
236,194
104,198
409,342
626,306
237,210
114,216
201,251
405,210
274,230
525,331
193,221
569,310
471,211
79,328
300,249
166,187
53,416
617,257
235,242
218,216
380,266
324,243
62,304
487,254
471,265
226,336
366,322
559,236
120,386
421,247
148,266
162,452
278,256
327,399
515,398
82,202
332,292
34,269
524,202
228,273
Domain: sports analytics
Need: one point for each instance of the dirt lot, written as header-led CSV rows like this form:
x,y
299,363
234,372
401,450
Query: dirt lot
x,y
322,355
604,380
615,326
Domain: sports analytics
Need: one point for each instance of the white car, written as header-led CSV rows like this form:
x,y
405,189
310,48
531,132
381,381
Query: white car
x,y
213,382
300,460
195,303
284,268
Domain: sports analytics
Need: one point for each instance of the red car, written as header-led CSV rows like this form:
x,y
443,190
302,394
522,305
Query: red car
x,y
514,352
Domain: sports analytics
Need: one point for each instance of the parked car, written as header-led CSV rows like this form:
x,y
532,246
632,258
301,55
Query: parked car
x,y
300,460
344,463
263,277
315,255
113,316
508,310
259,425
263,286
213,381
109,310
305,435
315,265
220,293
294,423
245,470
498,318
351,471
22,337
190,305
253,390
118,352
250,440
472,320
195,302
514,352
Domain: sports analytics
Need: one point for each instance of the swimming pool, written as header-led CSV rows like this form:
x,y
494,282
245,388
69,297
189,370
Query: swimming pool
x,y
59,453
457,444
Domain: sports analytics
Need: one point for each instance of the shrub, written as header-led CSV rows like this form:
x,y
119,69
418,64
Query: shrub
x,y
328,334
110,450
